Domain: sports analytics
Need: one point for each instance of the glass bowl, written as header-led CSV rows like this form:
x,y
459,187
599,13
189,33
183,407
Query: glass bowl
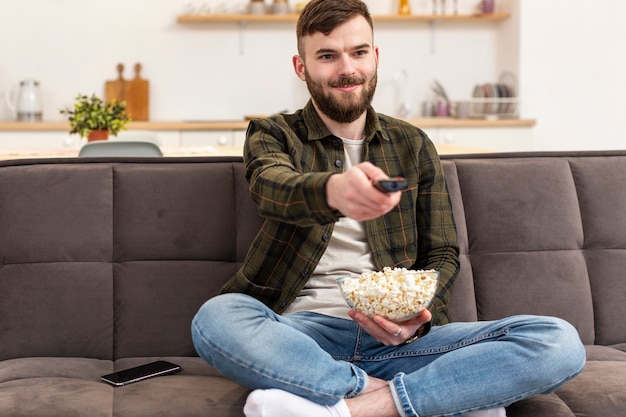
x,y
396,294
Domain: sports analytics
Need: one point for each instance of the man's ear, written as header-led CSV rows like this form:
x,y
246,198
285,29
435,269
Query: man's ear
x,y
298,66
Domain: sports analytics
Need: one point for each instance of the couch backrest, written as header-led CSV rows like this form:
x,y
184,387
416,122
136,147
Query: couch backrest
x,y
542,234
112,257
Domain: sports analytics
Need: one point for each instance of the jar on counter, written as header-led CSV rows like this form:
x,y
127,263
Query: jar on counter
x,y
257,7
404,7
280,7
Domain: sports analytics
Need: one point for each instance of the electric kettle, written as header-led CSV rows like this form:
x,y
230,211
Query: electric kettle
x,y
25,101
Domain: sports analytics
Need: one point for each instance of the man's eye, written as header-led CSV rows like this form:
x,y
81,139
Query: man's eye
x,y
326,57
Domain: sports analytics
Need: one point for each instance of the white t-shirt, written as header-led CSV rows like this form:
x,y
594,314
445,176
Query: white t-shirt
x,y
348,254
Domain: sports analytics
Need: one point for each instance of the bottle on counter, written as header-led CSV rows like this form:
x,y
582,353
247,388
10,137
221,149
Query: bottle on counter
x,y
404,7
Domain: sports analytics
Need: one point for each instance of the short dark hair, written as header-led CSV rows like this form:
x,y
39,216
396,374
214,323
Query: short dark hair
x,y
325,15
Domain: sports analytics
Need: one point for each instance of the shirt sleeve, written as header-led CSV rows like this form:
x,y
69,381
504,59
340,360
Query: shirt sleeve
x,y
278,185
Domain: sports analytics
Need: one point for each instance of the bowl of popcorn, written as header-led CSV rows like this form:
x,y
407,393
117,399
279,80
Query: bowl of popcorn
x,y
397,294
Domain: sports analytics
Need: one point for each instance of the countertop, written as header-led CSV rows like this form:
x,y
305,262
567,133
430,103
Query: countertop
x,y
6,154
432,122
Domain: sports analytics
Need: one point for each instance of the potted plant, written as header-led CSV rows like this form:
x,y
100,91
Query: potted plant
x,y
95,119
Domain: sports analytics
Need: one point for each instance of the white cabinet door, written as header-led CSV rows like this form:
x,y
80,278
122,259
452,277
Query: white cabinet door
x,y
207,138
509,139
45,140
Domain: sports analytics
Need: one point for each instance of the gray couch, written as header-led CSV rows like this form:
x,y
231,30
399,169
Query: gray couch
x,y
103,263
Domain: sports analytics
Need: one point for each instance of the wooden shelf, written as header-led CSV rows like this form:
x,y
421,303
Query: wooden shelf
x,y
276,18
427,122
56,126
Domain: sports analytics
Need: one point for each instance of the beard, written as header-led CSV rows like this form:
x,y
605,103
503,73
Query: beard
x,y
350,106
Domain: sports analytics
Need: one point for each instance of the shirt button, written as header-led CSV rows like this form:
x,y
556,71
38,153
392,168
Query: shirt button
x,y
282,304
304,273
325,237
338,163
336,142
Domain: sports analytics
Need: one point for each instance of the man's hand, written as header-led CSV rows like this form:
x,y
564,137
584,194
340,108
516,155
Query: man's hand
x,y
389,332
354,195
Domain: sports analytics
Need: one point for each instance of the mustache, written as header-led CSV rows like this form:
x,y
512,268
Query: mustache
x,y
346,81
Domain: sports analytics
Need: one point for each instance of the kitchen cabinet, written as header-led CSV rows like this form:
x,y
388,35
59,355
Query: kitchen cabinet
x,y
509,139
52,135
212,138
505,135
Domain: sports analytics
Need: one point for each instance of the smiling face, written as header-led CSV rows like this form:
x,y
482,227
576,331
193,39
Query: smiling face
x,y
340,69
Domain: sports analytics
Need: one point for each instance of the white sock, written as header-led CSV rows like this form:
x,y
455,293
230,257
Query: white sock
x,y
492,412
278,403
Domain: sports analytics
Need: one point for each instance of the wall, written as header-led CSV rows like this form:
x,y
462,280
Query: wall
x,y
215,71
573,72
563,51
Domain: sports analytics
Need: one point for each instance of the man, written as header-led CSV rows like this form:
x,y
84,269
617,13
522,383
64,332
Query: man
x,y
280,325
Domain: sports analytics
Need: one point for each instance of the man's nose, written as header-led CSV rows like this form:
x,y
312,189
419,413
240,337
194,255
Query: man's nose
x,y
346,65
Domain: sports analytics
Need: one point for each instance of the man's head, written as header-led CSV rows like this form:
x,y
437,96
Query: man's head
x,y
337,58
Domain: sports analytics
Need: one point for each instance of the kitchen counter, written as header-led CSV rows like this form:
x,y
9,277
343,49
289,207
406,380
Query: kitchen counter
x,y
6,154
242,124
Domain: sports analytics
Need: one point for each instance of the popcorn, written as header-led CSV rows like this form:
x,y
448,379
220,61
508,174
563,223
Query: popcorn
x,y
396,294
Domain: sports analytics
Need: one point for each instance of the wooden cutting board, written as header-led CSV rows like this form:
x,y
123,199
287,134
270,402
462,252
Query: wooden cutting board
x,y
136,93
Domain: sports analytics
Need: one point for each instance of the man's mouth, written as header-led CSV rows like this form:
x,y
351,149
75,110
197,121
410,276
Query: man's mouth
x,y
347,84
348,88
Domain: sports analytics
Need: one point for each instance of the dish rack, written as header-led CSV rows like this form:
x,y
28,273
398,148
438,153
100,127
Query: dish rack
x,y
494,108
496,100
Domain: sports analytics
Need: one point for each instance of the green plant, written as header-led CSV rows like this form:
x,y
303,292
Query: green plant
x,y
93,113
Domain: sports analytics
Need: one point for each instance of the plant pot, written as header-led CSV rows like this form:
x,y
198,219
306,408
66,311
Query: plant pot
x,y
98,135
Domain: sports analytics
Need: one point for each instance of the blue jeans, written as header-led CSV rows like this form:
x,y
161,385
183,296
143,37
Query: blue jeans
x,y
454,369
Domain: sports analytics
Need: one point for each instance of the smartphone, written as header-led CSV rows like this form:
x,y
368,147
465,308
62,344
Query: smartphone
x,y
390,185
138,373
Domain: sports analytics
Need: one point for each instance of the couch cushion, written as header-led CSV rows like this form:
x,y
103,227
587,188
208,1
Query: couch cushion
x,y
56,309
179,241
547,405
597,391
182,208
198,389
50,387
521,216
600,184
61,387
39,204
155,302
604,353
58,220
463,299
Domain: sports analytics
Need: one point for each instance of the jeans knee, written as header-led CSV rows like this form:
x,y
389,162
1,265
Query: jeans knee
x,y
221,318
567,347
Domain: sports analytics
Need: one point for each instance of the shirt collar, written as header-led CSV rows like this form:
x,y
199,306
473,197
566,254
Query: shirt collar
x,y
318,130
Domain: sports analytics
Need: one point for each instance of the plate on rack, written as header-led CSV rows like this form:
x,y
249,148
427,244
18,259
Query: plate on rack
x,y
497,100
477,106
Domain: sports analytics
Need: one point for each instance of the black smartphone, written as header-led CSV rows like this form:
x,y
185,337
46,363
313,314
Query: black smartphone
x,y
390,185
138,373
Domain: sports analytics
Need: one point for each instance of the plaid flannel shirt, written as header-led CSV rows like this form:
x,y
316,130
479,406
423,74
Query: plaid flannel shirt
x,y
289,159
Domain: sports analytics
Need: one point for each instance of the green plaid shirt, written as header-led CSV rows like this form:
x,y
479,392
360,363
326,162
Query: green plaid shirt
x,y
288,160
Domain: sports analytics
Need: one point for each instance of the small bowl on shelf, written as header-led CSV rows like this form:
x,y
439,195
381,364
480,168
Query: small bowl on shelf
x,y
397,294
